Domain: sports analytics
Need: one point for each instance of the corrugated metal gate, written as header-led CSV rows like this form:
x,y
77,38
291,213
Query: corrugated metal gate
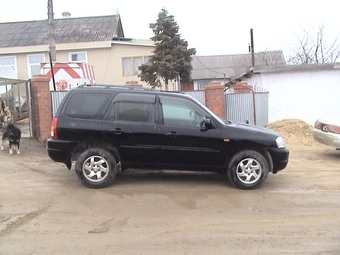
x,y
56,98
198,94
251,108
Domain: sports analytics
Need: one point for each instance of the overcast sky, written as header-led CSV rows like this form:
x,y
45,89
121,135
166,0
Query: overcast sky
x,y
214,27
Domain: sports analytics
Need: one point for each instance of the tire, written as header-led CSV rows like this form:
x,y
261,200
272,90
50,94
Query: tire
x,y
247,169
96,168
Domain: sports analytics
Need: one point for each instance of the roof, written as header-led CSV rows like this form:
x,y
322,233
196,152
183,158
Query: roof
x,y
7,81
297,68
232,66
8,76
67,30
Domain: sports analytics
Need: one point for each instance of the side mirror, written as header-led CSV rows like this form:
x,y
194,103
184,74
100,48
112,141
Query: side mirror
x,y
207,124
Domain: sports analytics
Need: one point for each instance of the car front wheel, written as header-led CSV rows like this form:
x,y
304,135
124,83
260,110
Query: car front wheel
x,y
96,168
247,169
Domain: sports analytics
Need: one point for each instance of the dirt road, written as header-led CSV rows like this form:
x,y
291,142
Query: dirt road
x,y
44,209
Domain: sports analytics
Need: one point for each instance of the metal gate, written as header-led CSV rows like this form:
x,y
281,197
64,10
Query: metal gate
x,y
198,94
15,104
250,108
56,98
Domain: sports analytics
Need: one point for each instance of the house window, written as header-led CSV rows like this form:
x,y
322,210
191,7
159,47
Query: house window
x,y
201,84
137,63
78,57
127,67
131,64
34,64
8,62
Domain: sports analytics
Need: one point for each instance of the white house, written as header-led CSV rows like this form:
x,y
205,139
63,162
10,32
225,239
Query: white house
x,y
304,92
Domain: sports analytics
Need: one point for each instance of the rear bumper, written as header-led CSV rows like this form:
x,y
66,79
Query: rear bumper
x,y
326,138
60,150
280,158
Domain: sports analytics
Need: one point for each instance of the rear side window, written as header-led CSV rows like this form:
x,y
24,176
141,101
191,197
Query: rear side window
x,y
85,106
133,107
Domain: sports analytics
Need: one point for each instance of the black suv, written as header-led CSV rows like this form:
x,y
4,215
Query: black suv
x,y
104,128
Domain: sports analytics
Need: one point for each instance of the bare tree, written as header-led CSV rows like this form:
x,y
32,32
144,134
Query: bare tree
x,y
314,50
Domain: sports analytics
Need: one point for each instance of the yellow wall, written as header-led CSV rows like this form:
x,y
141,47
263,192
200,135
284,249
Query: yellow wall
x,y
106,57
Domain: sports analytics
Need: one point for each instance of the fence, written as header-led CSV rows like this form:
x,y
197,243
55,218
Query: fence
x,y
56,98
250,108
198,94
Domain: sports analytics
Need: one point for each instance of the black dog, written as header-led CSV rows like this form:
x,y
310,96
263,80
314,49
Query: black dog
x,y
13,135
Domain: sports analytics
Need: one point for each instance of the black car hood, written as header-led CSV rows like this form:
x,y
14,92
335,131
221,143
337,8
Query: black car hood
x,y
244,132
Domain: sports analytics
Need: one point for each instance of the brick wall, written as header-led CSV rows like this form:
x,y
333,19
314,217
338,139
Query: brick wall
x,y
215,99
41,107
242,88
187,86
133,83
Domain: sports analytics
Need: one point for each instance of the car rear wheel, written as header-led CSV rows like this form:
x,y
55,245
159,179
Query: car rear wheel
x,y
96,168
247,169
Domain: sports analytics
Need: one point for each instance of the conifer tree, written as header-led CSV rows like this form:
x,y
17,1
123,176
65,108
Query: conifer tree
x,y
171,58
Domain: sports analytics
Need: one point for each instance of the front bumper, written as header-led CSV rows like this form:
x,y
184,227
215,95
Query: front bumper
x,y
280,158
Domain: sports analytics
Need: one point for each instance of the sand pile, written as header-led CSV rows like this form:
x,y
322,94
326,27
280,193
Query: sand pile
x,y
294,131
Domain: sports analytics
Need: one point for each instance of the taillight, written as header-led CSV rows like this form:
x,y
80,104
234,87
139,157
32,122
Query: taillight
x,y
334,129
317,124
54,133
327,127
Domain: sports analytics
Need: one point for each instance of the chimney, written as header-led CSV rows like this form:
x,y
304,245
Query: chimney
x,y
66,15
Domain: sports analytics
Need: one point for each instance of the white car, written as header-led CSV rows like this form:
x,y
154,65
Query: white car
x,y
327,131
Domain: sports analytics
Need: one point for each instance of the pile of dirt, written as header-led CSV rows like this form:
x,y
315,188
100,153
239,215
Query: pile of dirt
x,y
294,131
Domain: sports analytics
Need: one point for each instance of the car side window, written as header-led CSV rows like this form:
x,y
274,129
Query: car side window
x,y
133,107
180,112
85,106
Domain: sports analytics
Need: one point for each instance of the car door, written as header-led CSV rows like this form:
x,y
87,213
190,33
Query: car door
x,y
130,126
184,143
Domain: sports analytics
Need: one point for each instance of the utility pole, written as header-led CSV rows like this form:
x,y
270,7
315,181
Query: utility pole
x,y
51,38
252,48
51,32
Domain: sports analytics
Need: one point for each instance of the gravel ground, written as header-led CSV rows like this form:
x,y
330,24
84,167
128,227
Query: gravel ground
x,y
44,209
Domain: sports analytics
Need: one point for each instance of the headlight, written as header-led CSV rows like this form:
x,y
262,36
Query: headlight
x,y
280,142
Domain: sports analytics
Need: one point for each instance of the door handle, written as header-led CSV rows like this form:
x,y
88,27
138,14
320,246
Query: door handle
x,y
117,131
172,134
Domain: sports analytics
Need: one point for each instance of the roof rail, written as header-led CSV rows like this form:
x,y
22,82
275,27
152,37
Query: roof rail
x,y
115,86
